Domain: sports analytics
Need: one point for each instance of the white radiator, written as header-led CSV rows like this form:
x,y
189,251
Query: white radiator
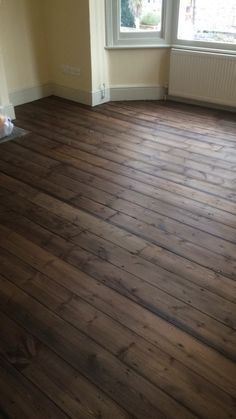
x,y
207,77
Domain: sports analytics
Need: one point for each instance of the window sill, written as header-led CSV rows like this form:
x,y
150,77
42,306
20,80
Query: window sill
x,y
154,46
176,46
204,49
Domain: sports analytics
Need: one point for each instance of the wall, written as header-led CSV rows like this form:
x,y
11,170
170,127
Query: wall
x,y
138,74
76,34
139,67
23,45
40,36
69,44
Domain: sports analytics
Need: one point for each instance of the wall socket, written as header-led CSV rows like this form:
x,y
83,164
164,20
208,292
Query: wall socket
x,y
72,71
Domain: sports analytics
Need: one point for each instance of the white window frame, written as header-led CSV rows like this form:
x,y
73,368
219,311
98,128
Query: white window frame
x,y
167,38
117,39
196,45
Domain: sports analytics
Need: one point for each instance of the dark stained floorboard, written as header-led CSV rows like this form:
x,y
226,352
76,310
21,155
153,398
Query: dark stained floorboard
x,y
118,262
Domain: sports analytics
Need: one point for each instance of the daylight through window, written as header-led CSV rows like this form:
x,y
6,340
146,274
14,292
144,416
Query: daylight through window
x,y
141,15
187,23
207,21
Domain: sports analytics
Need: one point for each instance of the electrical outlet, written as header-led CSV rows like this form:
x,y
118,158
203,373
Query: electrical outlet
x,y
70,70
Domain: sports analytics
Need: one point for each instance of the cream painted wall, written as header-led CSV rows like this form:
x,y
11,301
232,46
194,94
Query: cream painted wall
x,y
139,67
69,41
38,37
23,43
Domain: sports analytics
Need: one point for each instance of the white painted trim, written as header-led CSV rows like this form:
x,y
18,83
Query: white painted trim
x,y
193,44
8,110
140,46
115,37
38,92
70,93
199,102
19,97
118,93
98,99
114,93
31,94
81,96
193,48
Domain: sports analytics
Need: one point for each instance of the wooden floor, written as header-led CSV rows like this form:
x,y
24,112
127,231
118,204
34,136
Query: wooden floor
x,y
118,262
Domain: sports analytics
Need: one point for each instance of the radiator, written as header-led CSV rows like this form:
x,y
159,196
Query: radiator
x,y
208,77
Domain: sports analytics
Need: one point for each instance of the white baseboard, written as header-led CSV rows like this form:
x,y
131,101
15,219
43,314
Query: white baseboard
x,y
81,96
8,110
114,93
97,97
202,103
30,94
70,93
118,93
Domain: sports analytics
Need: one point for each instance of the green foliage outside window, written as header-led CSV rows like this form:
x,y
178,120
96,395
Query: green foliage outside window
x,y
127,17
151,19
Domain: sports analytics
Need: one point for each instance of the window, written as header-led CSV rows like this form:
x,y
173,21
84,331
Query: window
x,y
190,23
137,22
141,16
207,21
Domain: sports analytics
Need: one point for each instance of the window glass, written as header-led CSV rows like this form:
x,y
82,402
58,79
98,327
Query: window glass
x,y
207,21
141,16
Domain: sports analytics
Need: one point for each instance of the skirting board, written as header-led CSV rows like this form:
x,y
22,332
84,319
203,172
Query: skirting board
x,y
116,93
110,94
201,103
80,96
119,93
97,98
30,94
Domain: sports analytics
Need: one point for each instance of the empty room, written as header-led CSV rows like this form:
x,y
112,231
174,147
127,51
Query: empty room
x,y
117,209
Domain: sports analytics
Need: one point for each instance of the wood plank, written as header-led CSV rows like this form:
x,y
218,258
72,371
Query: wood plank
x,y
107,123
152,161
205,181
92,193
46,219
198,169
106,229
21,399
185,117
95,165
117,255
38,182
29,157
170,125
161,334
208,402
179,311
69,390
96,363
162,187
85,221
170,227
191,271
224,263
